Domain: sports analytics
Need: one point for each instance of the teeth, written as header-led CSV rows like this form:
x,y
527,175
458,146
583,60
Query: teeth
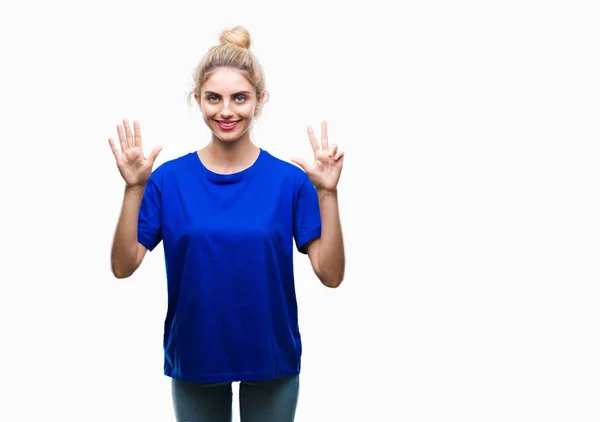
x,y
228,124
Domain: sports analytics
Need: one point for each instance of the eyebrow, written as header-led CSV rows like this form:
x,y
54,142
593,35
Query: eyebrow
x,y
237,93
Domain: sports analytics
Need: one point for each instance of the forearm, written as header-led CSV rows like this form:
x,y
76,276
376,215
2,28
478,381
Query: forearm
x,y
331,252
125,243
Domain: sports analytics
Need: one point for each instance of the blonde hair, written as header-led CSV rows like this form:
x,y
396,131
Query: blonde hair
x,y
234,52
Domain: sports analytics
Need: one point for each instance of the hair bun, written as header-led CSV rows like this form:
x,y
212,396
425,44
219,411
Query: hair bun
x,y
237,36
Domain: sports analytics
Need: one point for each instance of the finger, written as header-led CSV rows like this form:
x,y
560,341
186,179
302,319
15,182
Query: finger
x,y
122,138
113,148
137,134
324,140
333,150
154,154
301,162
128,134
312,138
339,155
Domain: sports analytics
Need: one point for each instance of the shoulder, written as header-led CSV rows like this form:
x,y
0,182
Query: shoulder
x,y
284,169
171,167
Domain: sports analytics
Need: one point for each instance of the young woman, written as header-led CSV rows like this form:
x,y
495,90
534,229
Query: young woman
x,y
228,216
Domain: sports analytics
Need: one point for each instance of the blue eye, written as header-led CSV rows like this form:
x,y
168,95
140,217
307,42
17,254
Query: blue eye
x,y
212,98
243,98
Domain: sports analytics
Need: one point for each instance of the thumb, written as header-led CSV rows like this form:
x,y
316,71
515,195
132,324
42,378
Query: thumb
x,y
154,154
300,162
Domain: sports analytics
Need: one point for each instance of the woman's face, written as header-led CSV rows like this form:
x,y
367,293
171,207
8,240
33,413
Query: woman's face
x,y
228,102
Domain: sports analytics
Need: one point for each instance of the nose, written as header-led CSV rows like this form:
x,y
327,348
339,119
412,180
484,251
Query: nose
x,y
226,111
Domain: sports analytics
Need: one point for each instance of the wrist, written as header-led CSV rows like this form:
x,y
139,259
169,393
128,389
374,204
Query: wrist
x,y
135,188
326,192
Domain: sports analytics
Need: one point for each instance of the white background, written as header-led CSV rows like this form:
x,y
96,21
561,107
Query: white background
x,y
469,202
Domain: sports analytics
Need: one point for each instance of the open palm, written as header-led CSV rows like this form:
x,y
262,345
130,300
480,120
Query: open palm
x,y
133,166
324,172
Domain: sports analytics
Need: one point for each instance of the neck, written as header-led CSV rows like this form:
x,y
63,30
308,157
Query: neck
x,y
225,157
230,152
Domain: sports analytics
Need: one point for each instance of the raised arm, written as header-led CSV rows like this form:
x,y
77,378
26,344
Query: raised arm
x,y
127,253
326,253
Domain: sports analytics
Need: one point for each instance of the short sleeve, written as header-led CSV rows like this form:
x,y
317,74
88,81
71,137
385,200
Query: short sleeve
x,y
307,215
149,227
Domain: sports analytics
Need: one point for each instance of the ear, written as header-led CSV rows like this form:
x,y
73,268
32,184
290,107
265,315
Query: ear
x,y
197,98
259,103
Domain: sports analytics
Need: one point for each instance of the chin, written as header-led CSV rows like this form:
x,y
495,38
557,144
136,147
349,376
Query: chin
x,y
227,137
228,140
230,137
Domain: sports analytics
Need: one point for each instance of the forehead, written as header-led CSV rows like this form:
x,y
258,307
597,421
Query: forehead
x,y
226,80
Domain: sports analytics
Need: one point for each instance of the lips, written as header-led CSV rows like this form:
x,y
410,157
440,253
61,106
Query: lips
x,y
227,125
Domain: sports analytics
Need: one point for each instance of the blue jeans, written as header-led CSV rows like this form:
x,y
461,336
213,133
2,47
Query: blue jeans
x,y
260,401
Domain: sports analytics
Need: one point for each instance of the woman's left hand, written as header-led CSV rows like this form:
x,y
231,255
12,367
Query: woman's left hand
x,y
325,171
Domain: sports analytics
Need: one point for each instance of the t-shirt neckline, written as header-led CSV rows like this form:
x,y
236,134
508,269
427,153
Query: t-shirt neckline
x,y
227,177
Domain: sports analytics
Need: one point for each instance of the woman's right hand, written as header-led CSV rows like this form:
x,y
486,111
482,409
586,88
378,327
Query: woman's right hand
x,y
133,166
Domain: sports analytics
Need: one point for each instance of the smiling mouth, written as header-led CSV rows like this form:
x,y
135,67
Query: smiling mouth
x,y
227,125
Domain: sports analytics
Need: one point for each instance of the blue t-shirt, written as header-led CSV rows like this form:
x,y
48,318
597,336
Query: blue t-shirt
x,y
228,243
